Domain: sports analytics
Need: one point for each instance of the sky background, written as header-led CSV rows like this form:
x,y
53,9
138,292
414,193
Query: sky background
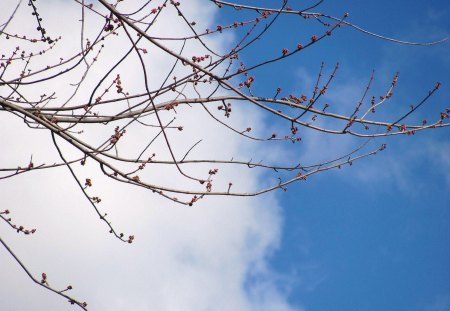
x,y
373,236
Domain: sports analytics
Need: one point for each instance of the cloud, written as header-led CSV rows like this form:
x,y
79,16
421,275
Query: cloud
x,y
397,166
198,258
441,303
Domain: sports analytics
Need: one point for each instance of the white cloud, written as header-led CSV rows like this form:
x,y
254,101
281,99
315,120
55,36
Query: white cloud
x,y
198,258
441,303
397,166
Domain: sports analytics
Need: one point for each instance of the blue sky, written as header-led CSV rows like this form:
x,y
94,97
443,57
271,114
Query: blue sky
x,y
374,236
370,237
